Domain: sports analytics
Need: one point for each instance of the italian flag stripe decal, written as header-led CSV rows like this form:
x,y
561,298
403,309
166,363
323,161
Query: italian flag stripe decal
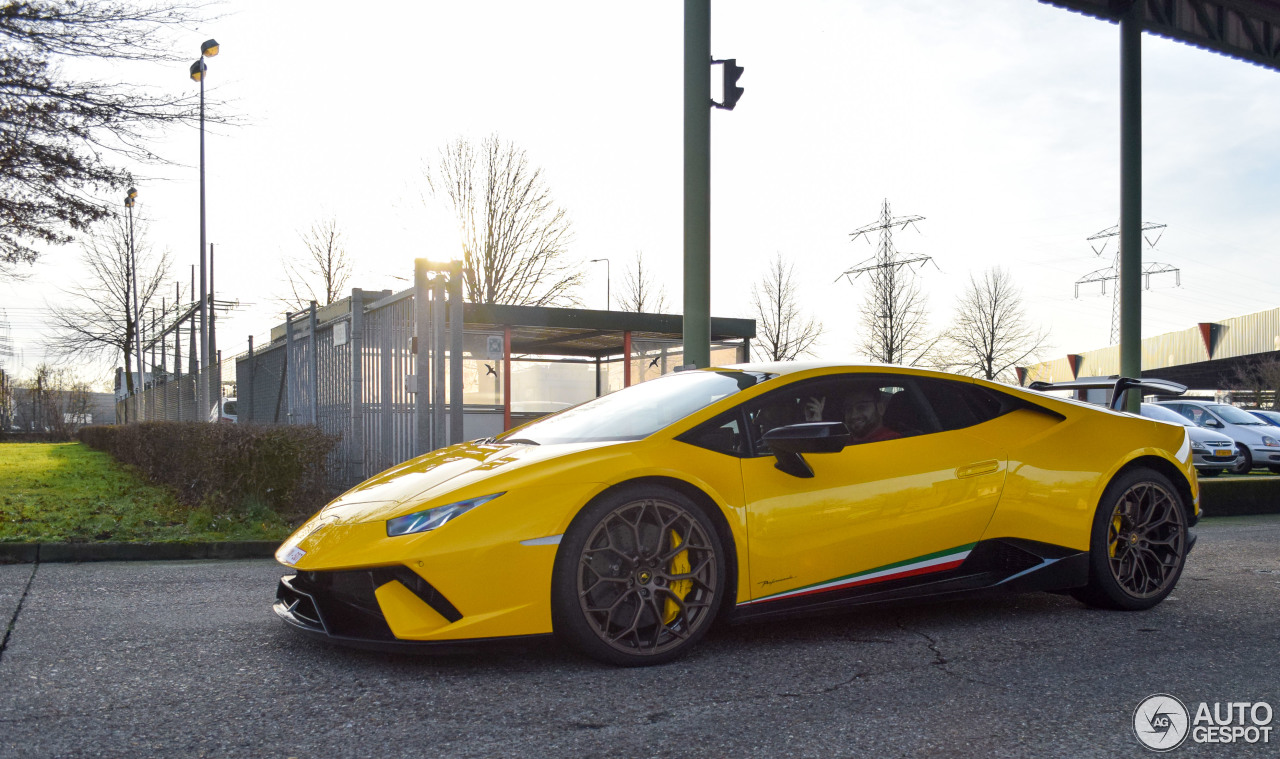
x,y
940,561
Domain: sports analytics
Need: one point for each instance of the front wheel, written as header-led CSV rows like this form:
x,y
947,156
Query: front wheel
x,y
638,578
1139,543
1246,461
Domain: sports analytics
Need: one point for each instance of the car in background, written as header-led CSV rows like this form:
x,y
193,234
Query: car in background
x,y
1257,441
225,411
1270,417
1212,452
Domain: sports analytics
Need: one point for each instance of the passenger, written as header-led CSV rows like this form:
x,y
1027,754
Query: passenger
x,y
863,416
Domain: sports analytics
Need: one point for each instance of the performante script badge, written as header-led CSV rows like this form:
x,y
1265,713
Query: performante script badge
x,y
1160,722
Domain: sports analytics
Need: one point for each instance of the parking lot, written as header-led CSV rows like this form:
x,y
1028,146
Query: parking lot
x,y
186,659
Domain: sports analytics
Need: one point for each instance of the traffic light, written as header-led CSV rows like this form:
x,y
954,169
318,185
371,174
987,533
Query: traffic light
x,y
732,91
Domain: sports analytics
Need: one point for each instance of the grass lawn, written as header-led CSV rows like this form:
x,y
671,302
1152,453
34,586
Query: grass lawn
x,y
66,492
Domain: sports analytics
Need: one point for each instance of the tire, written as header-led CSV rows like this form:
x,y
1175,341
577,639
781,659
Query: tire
x,y
1138,544
1246,461
623,591
1209,472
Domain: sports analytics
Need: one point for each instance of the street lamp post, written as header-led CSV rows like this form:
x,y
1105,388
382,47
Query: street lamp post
x,y
608,302
198,70
136,316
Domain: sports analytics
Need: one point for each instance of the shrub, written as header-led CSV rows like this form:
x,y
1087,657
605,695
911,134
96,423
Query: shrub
x,y
232,466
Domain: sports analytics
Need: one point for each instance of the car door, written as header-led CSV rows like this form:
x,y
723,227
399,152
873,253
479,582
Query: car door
x,y
908,500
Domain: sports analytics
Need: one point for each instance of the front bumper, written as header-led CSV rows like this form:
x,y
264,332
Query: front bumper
x,y
1209,461
343,607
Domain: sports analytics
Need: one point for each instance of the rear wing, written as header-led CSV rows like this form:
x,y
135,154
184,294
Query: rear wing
x,y
1118,385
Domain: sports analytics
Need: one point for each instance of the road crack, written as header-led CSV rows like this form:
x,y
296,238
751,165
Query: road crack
x,y
13,621
941,661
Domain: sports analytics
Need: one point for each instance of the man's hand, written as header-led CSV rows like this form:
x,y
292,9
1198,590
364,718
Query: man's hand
x,y
813,409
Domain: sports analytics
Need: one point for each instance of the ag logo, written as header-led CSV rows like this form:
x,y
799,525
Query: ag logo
x,y
1161,722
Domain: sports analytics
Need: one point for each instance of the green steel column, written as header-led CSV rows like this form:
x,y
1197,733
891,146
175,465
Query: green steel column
x,y
697,182
1131,198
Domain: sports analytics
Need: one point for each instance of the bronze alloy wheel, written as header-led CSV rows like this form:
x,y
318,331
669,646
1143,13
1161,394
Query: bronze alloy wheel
x,y
646,577
1146,540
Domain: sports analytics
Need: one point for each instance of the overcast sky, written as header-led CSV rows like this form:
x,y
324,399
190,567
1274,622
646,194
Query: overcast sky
x,y
996,120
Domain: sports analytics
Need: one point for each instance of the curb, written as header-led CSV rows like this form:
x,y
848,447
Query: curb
x,y
26,553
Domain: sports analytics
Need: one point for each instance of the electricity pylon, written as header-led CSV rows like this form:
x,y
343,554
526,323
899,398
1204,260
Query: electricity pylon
x,y
886,255
1102,276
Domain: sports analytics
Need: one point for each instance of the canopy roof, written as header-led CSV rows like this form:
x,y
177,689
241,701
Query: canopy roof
x,y
1248,30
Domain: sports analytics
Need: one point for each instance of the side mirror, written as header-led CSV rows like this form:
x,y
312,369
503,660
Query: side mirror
x,y
1213,423
787,443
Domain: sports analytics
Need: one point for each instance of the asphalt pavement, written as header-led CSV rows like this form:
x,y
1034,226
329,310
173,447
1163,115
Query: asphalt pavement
x,y
186,659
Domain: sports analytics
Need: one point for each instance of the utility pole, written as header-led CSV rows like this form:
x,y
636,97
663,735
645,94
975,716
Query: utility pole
x,y
697,184
697,175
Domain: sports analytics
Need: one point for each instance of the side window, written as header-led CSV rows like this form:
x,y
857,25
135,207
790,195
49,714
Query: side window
x,y
961,404
873,407
722,434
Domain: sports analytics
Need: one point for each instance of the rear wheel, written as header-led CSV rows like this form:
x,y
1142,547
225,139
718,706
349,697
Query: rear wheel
x,y
638,578
1139,543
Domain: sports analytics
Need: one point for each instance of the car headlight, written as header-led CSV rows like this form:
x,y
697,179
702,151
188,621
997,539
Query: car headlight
x,y
1197,448
1269,441
421,521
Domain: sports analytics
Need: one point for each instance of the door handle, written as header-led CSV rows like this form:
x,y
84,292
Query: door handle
x,y
978,468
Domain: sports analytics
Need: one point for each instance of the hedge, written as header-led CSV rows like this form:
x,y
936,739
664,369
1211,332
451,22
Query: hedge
x,y
227,465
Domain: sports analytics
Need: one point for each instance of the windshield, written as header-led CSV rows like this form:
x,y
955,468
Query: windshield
x,y
637,411
1152,411
1233,415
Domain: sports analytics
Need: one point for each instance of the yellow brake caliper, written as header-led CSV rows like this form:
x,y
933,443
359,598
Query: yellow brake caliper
x,y
679,566
1114,537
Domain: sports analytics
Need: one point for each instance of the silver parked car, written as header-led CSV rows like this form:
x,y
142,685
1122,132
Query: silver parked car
x,y
1257,441
1212,452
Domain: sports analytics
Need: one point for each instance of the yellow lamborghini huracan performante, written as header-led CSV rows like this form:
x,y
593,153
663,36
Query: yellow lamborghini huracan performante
x,y
629,524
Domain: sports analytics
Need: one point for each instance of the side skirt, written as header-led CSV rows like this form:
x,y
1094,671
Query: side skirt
x,y
993,567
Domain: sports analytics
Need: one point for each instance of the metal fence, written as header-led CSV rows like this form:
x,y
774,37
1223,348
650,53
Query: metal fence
x,y
174,399
309,378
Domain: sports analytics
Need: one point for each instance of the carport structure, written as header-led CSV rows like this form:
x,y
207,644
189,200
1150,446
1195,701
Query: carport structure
x,y
1248,30
602,338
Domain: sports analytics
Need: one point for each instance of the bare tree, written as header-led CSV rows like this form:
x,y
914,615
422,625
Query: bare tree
x,y
785,333
58,132
639,292
54,401
96,318
514,237
1260,378
991,336
894,319
323,273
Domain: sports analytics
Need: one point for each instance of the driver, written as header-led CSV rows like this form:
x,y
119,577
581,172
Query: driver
x,y
863,415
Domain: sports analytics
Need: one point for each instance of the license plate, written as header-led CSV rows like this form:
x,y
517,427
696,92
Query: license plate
x,y
1224,454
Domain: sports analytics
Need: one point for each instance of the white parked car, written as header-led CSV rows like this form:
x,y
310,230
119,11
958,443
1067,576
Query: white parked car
x,y
1257,441
1212,452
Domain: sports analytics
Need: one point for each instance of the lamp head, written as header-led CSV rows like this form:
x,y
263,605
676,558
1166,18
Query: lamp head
x,y
197,70
209,48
